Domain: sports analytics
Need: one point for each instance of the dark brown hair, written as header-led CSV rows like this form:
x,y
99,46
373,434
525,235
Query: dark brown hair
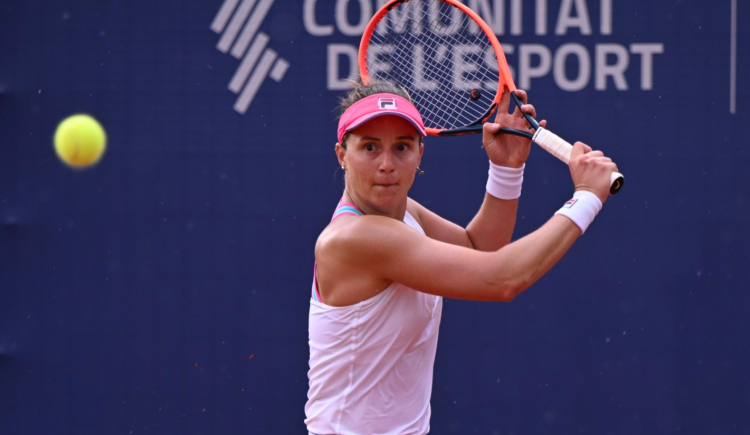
x,y
360,91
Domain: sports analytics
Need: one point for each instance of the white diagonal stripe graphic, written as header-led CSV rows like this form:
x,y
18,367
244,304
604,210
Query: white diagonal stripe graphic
x,y
221,18
248,62
279,69
251,28
260,73
234,26
247,17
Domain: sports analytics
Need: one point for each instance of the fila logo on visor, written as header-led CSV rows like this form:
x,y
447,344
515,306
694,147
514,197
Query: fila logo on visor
x,y
386,103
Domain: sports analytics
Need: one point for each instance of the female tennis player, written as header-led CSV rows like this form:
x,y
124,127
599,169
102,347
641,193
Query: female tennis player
x,y
385,262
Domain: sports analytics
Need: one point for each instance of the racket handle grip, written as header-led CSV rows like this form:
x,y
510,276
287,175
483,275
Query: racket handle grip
x,y
561,149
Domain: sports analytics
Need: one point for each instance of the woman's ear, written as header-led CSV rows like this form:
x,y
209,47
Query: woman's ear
x,y
340,153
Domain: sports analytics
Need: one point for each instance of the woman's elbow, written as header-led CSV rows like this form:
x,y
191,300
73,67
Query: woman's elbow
x,y
507,289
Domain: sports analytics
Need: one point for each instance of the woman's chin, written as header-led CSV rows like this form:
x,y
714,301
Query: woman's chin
x,y
387,197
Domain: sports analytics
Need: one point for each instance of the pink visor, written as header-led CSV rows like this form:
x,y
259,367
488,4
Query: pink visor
x,y
378,105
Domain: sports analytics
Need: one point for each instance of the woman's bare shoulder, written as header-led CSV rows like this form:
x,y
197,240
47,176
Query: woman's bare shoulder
x,y
357,238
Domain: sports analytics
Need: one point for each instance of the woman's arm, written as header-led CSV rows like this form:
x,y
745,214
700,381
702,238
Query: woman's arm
x,y
492,227
385,248
380,248
490,230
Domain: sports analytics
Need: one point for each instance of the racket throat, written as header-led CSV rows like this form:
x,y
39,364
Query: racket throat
x,y
474,127
477,128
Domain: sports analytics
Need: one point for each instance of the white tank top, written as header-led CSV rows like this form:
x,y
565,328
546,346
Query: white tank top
x,y
371,363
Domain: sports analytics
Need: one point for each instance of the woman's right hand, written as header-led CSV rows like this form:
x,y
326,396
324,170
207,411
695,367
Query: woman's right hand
x,y
591,170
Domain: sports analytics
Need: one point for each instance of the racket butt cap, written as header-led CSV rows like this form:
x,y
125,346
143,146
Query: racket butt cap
x,y
617,181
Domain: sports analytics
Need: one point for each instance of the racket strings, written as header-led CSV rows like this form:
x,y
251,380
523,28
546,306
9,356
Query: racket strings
x,y
435,73
465,112
439,61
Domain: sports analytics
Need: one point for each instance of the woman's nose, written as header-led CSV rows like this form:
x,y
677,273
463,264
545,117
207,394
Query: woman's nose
x,y
386,163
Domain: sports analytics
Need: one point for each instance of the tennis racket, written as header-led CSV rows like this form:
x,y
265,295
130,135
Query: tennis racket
x,y
453,66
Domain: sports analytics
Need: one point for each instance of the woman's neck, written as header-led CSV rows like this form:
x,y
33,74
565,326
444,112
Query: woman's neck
x,y
396,212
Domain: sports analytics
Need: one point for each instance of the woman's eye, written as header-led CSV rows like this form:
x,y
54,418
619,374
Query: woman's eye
x,y
402,147
370,147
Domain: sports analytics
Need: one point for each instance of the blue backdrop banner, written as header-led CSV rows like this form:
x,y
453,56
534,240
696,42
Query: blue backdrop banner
x,y
166,290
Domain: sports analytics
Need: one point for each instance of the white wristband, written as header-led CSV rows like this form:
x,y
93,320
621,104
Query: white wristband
x,y
582,209
504,182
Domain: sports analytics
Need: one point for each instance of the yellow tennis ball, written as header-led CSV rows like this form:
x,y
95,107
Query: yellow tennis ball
x,y
80,141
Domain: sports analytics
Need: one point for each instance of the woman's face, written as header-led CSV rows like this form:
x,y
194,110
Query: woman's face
x,y
381,158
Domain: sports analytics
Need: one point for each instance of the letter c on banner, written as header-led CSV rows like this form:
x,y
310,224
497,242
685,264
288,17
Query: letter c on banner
x,y
342,18
311,25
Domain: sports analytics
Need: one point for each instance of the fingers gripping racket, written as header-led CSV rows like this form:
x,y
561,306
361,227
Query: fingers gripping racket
x,y
453,66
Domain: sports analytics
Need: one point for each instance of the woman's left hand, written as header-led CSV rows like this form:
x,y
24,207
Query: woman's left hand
x,y
506,149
